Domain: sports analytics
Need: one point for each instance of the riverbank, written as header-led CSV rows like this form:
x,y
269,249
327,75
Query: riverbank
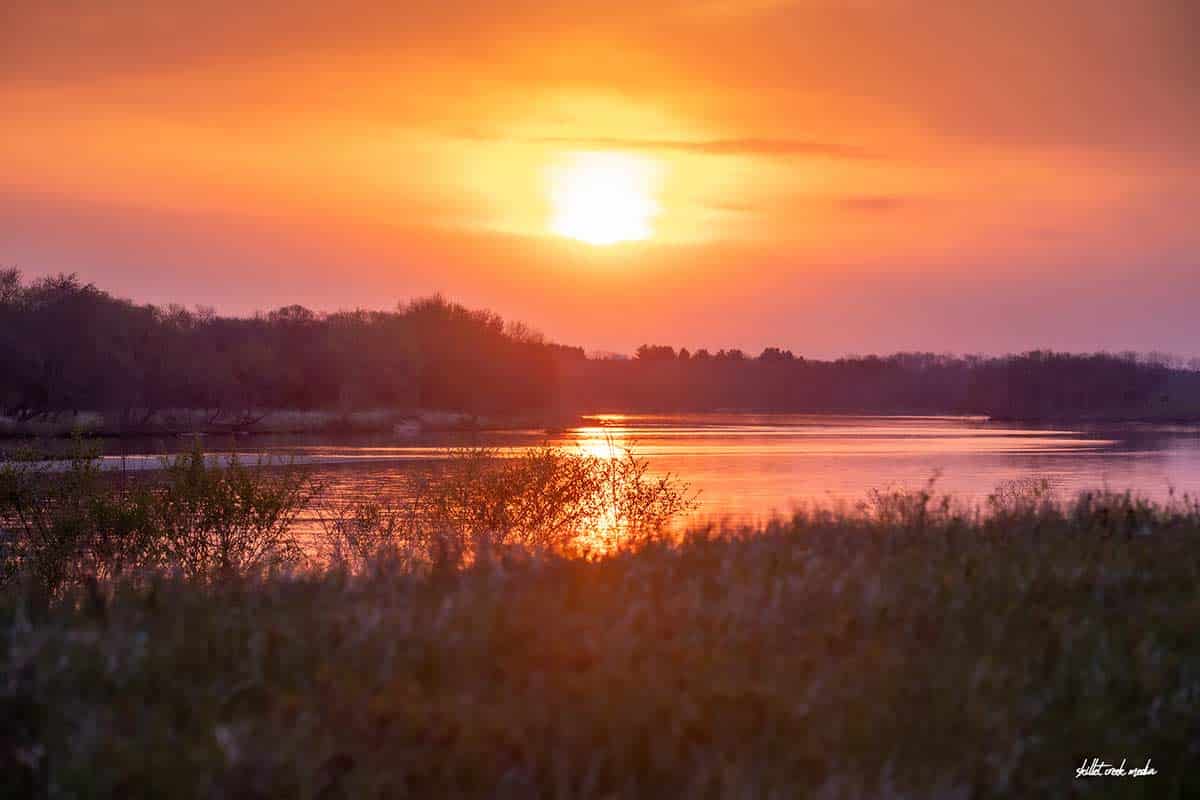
x,y
406,423
200,423
1175,418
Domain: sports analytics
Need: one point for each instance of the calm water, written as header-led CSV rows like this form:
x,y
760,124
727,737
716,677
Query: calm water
x,y
747,466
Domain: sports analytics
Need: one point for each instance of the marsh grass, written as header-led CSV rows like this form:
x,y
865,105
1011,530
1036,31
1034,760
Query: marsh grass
x,y
907,647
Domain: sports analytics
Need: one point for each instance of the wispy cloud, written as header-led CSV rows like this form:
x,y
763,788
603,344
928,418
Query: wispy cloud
x,y
875,203
753,146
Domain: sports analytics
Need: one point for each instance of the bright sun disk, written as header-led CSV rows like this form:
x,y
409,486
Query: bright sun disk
x,y
604,198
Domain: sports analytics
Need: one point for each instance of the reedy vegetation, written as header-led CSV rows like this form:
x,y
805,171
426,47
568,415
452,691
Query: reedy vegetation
x,y
206,518
904,647
67,521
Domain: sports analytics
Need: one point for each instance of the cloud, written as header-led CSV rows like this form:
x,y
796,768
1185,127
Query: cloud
x,y
752,146
1120,77
875,203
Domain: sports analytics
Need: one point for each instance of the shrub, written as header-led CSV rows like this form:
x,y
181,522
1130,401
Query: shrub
x,y
63,520
479,501
219,519
69,520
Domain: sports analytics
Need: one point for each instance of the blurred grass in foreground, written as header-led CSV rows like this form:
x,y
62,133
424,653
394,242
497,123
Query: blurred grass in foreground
x,y
906,647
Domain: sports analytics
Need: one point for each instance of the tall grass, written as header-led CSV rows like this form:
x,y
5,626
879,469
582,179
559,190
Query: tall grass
x,y
908,647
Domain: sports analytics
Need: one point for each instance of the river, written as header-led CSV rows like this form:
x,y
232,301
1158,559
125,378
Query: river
x,y
747,466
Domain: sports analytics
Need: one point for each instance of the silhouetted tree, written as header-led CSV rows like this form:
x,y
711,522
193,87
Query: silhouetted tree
x,y
66,347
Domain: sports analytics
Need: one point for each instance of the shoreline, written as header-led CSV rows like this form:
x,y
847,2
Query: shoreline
x,y
194,423
406,423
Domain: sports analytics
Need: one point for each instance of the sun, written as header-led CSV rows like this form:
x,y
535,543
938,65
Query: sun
x,y
604,198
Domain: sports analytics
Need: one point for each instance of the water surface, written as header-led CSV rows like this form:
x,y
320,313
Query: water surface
x,y
747,466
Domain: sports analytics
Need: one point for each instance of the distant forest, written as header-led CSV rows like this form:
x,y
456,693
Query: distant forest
x,y
1039,385
66,346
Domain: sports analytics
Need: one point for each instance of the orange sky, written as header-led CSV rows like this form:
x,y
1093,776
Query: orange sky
x,y
833,177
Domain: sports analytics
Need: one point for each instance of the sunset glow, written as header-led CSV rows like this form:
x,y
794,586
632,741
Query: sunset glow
x,y
604,198
823,173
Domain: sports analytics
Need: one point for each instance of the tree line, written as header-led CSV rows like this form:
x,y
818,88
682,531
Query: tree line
x,y
1035,385
66,346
